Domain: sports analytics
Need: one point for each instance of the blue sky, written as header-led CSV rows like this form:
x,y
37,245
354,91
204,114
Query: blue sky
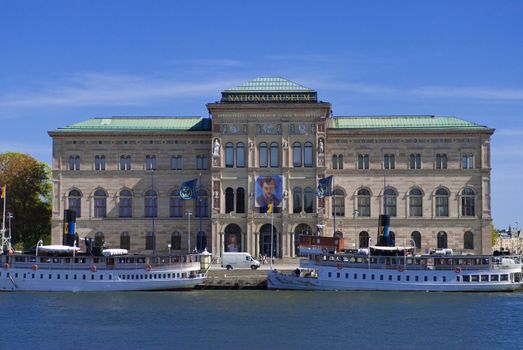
x,y
65,61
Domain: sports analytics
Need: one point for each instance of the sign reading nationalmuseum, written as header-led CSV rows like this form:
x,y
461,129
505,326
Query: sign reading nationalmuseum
x,y
269,97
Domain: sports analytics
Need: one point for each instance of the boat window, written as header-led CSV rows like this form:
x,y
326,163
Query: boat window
x,y
66,277
484,278
56,260
110,277
32,275
372,277
444,279
346,276
41,276
32,259
399,277
8,274
44,260
92,277
74,277
390,277
426,278
504,277
407,278
50,276
165,276
330,274
101,276
416,278
381,277
494,278
458,278
435,278
355,276
67,260
24,275
474,278
337,275
466,278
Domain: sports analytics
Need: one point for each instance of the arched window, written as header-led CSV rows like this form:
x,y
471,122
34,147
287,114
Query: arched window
x,y
468,240
99,162
340,161
125,241
233,238
176,240
150,204
441,161
229,155
296,200
150,162
364,239
307,155
415,202
390,201
262,155
334,161
442,240
99,239
126,204
100,204
75,202
229,200
416,238
363,161
468,202
201,204
364,202
308,200
74,163
240,155
275,155
296,155
175,205
442,202
240,200
338,202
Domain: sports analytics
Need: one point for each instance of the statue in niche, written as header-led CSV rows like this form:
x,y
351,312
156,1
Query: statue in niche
x,y
244,128
233,129
321,147
258,129
301,129
278,128
216,148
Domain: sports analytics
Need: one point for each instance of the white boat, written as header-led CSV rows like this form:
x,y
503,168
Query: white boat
x,y
62,268
397,269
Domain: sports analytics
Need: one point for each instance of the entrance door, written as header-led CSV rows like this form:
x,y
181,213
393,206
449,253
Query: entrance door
x,y
265,240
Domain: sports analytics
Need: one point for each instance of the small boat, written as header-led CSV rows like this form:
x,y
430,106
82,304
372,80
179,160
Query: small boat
x,y
327,266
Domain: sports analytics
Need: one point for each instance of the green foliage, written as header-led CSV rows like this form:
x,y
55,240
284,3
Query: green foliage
x,y
28,197
494,236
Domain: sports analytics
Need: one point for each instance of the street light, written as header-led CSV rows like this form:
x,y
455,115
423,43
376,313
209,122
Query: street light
x,y
188,213
355,215
169,246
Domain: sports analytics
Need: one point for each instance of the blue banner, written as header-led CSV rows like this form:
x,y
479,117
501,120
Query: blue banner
x,y
324,187
188,190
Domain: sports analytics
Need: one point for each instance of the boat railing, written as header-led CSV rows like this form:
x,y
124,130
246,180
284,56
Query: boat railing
x,y
435,263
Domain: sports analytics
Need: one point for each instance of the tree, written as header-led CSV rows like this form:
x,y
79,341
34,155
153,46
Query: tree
x,y
494,235
28,197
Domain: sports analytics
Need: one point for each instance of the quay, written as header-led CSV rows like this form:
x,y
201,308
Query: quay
x,y
221,278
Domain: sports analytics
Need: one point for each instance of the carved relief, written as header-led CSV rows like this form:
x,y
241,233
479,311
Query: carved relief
x,y
268,129
216,148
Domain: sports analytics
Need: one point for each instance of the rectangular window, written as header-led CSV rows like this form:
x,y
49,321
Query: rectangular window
x,y
381,277
176,163
201,162
363,161
150,162
125,163
467,161
389,161
372,277
441,161
415,161
426,278
407,278
390,277
99,162
330,274
149,241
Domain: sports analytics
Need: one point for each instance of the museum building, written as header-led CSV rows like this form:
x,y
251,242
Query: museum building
x,y
122,176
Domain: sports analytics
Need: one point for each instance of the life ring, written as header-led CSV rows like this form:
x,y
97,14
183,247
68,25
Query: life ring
x,y
401,268
93,268
148,267
339,266
457,270
10,252
6,266
34,267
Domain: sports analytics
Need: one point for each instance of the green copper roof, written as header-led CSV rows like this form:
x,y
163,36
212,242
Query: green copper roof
x,y
269,85
139,123
402,122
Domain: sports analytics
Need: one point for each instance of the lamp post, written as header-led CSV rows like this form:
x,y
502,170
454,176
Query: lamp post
x,y
10,216
169,246
355,215
188,213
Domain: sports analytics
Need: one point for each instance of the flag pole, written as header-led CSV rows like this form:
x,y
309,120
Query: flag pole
x,y
272,233
334,206
4,190
200,199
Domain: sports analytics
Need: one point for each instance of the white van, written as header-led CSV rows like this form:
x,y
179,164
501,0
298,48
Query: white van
x,y
239,260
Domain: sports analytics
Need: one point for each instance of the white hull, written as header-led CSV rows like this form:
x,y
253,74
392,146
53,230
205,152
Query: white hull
x,y
67,280
370,280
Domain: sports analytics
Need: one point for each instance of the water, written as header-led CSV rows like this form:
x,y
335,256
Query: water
x,y
260,320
